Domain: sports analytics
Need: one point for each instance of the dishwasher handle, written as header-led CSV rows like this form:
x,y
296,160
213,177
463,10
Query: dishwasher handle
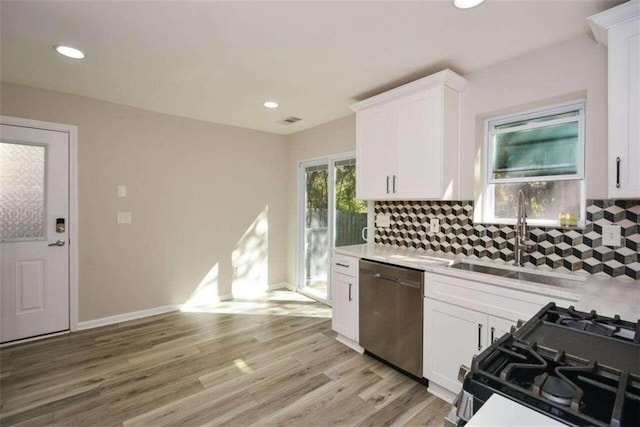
x,y
395,280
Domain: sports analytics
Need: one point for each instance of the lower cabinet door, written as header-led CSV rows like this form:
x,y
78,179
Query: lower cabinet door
x,y
345,305
498,327
453,335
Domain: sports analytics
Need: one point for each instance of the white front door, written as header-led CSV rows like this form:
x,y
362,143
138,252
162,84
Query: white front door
x,y
34,230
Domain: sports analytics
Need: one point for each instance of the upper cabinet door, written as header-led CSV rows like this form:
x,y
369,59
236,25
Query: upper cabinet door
x,y
376,130
619,29
624,110
419,148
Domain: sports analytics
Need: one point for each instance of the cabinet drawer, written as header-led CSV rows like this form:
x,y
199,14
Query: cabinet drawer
x,y
344,264
502,302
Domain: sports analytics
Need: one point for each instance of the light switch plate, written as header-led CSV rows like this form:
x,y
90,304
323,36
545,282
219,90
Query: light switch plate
x,y
611,235
383,220
434,225
123,218
121,190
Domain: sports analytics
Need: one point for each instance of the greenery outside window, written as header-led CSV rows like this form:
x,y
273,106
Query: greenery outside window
x,y
542,154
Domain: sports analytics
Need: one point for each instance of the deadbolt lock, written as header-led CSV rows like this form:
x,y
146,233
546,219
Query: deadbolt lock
x,y
60,225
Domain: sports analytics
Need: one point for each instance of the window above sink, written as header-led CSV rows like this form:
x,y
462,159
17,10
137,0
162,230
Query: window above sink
x,y
540,152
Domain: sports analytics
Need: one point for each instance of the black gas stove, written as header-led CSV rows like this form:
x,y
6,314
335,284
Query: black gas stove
x,y
578,368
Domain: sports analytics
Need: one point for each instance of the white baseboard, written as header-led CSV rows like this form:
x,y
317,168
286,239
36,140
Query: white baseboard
x,y
226,297
281,285
110,320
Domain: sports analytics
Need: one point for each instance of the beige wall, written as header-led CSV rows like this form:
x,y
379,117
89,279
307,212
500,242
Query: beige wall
x,y
337,136
573,68
199,191
195,190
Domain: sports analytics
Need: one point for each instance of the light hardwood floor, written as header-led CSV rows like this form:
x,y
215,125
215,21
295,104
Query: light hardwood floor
x,y
266,362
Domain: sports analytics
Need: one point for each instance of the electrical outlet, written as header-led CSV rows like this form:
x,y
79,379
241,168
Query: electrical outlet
x,y
383,220
121,190
434,225
123,218
611,235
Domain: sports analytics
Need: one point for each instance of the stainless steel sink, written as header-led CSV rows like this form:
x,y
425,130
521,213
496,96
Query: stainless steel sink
x,y
481,269
513,274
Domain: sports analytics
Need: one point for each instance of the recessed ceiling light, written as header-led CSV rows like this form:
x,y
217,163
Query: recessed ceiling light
x,y
466,4
69,52
271,104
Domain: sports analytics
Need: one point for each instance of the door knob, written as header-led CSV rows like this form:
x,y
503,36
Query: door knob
x,y
57,243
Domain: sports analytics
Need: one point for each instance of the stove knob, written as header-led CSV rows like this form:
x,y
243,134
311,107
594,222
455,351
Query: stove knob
x,y
462,373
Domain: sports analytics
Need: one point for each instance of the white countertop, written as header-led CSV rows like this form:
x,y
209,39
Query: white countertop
x,y
607,295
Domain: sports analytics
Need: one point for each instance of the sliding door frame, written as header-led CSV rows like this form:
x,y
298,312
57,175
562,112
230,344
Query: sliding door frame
x,y
330,161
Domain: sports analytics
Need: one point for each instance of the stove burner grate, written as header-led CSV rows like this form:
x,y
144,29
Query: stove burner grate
x,y
567,387
593,323
579,368
589,326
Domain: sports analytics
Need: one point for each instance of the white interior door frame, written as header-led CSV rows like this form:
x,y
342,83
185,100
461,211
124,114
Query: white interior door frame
x,y
72,131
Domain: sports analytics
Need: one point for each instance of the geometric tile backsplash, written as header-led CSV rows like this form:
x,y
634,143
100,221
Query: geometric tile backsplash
x,y
559,248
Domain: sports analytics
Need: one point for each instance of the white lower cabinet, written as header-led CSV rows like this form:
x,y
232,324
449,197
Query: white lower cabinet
x,y
453,335
345,305
463,317
344,286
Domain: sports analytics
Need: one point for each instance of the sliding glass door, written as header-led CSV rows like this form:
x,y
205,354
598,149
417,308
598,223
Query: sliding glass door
x,y
329,216
349,214
316,230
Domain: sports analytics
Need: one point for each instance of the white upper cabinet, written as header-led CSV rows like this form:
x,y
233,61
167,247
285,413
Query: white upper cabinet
x,y
619,28
407,140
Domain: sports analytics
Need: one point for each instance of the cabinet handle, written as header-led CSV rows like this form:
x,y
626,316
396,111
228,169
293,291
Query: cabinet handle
x,y
387,184
617,172
479,336
394,183
350,291
342,265
492,332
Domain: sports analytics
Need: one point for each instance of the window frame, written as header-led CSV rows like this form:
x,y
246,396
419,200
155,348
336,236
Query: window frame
x,y
491,123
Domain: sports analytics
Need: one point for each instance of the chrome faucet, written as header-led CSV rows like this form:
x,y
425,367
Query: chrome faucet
x,y
522,233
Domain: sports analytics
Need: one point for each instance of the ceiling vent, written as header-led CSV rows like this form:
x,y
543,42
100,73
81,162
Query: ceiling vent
x,y
289,120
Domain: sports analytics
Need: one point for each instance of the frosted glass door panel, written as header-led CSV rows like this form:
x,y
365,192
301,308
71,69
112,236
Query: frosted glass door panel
x,y
22,192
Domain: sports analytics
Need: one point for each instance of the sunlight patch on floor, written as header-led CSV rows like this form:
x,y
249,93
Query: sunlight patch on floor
x,y
242,366
278,302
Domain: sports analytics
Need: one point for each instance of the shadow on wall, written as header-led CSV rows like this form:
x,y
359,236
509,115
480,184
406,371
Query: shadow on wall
x,y
250,262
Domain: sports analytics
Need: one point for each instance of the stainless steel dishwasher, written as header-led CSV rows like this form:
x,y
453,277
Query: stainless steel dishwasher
x,y
391,314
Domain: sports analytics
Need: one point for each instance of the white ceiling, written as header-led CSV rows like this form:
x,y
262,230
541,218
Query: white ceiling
x,y
218,61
